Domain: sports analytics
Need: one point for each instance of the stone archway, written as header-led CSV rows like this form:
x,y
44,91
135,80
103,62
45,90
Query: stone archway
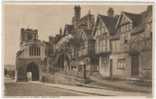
x,y
63,61
34,70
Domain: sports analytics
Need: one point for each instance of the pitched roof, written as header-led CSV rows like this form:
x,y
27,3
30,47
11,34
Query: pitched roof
x,y
136,18
138,29
110,22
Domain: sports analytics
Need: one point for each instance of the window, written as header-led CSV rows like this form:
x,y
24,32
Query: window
x,y
114,46
34,51
105,60
127,27
103,30
30,51
130,26
106,47
86,44
98,46
101,46
121,64
122,28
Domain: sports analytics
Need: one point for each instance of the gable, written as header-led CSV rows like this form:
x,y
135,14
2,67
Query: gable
x,y
100,27
125,20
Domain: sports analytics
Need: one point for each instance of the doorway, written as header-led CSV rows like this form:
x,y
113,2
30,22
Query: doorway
x,y
33,72
135,65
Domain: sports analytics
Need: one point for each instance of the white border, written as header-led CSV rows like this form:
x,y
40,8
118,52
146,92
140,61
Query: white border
x,y
82,2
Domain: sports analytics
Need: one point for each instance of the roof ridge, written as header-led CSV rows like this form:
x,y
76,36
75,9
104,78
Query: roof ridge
x,y
131,13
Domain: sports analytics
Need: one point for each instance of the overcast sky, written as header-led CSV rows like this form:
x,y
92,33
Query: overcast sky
x,y
47,19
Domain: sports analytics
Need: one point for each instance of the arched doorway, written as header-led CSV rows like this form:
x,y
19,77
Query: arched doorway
x,y
63,62
34,71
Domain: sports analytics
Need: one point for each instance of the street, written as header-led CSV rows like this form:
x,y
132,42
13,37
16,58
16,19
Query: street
x,y
33,89
36,88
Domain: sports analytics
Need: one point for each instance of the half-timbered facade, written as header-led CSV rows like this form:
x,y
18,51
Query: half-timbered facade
x,y
104,29
121,59
132,42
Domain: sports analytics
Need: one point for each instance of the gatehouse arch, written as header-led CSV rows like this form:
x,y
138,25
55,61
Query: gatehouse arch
x,y
33,71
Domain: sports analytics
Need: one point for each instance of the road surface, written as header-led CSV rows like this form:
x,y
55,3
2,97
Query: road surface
x,y
33,89
13,88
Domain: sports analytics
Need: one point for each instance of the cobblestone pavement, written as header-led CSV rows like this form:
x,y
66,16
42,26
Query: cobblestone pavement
x,y
32,89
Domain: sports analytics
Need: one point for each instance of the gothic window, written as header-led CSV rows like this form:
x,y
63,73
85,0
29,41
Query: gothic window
x,y
34,51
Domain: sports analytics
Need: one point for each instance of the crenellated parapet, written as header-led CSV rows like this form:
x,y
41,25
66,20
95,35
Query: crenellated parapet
x,y
28,35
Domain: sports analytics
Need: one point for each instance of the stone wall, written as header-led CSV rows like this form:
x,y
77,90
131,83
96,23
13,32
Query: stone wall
x,y
62,78
121,69
146,65
21,68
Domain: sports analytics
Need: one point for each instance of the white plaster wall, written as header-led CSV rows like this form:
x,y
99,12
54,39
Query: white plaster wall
x,y
121,73
104,70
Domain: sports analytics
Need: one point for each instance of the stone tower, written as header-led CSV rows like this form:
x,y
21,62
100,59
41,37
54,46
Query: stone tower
x,y
28,35
77,12
77,15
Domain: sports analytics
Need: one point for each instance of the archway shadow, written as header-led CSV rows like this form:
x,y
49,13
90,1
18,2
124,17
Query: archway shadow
x,y
34,70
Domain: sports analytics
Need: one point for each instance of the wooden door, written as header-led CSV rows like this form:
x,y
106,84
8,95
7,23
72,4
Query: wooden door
x,y
135,65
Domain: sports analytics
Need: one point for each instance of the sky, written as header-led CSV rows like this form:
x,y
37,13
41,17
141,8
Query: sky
x,y
48,19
